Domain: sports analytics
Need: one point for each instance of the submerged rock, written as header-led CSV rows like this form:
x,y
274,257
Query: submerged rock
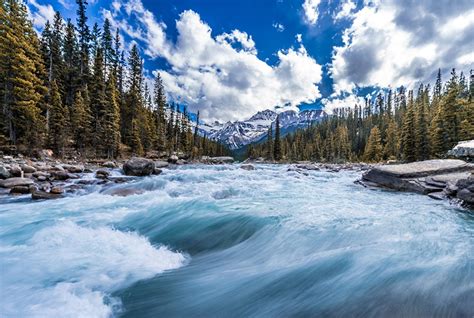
x,y
123,191
21,190
138,167
247,167
102,174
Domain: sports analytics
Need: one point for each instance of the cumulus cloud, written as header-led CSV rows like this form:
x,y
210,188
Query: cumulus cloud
x,y
346,9
311,11
221,76
402,42
40,14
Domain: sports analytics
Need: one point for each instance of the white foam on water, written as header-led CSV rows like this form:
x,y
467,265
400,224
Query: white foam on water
x,y
67,270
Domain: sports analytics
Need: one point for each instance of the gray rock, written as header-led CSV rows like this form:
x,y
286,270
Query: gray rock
x,y
412,176
56,190
157,171
466,195
74,168
102,174
464,149
109,164
122,191
307,166
27,168
63,175
4,173
247,167
43,195
161,164
14,182
15,171
173,159
20,190
138,167
439,195
217,160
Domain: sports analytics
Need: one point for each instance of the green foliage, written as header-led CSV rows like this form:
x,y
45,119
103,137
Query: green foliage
x,y
47,88
394,126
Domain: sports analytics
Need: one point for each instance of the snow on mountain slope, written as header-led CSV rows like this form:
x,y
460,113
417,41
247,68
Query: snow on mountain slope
x,y
241,133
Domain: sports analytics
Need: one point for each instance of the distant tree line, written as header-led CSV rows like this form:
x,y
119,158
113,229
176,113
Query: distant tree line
x,y
398,125
73,89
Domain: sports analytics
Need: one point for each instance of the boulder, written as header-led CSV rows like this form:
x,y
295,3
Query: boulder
x,y
157,171
161,164
15,182
438,178
247,167
102,174
173,159
27,168
15,171
109,164
464,149
138,167
56,190
412,176
63,175
20,190
217,160
307,166
466,195
74,168
43,195
4,173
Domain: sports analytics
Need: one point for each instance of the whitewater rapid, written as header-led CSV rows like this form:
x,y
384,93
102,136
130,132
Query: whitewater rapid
x,y
219,241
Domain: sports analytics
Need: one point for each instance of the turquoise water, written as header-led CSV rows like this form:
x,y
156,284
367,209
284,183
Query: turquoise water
x,y
218,241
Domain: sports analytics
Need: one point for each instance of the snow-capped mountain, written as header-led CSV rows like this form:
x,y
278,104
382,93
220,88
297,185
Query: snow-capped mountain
x,y
241,133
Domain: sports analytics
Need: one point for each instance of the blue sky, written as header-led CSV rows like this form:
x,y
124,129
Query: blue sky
x,y
230,59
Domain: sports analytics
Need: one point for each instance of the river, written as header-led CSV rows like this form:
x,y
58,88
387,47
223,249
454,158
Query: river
x,y
219,241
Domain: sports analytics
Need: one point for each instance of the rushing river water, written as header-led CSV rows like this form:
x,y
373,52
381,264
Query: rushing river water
x,y
218,241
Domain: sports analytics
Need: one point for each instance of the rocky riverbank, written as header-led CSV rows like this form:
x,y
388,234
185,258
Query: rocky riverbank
x,y
49,178
440,179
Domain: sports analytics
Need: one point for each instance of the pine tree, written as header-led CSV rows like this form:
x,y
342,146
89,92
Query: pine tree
x,y
110,120
71,64
374,150
422,143
408,131
277,143
80,122
21,76
58,122
84,37
107,47
160,103
270,153
391,141
136,143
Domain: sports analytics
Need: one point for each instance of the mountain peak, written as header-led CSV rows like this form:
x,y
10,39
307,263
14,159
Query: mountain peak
x,y
241,133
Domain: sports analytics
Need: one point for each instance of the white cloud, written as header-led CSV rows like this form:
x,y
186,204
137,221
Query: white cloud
x,y
311,11
347,101
221,76
346,10
65,3
299,38
40,13
400,43
279,27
